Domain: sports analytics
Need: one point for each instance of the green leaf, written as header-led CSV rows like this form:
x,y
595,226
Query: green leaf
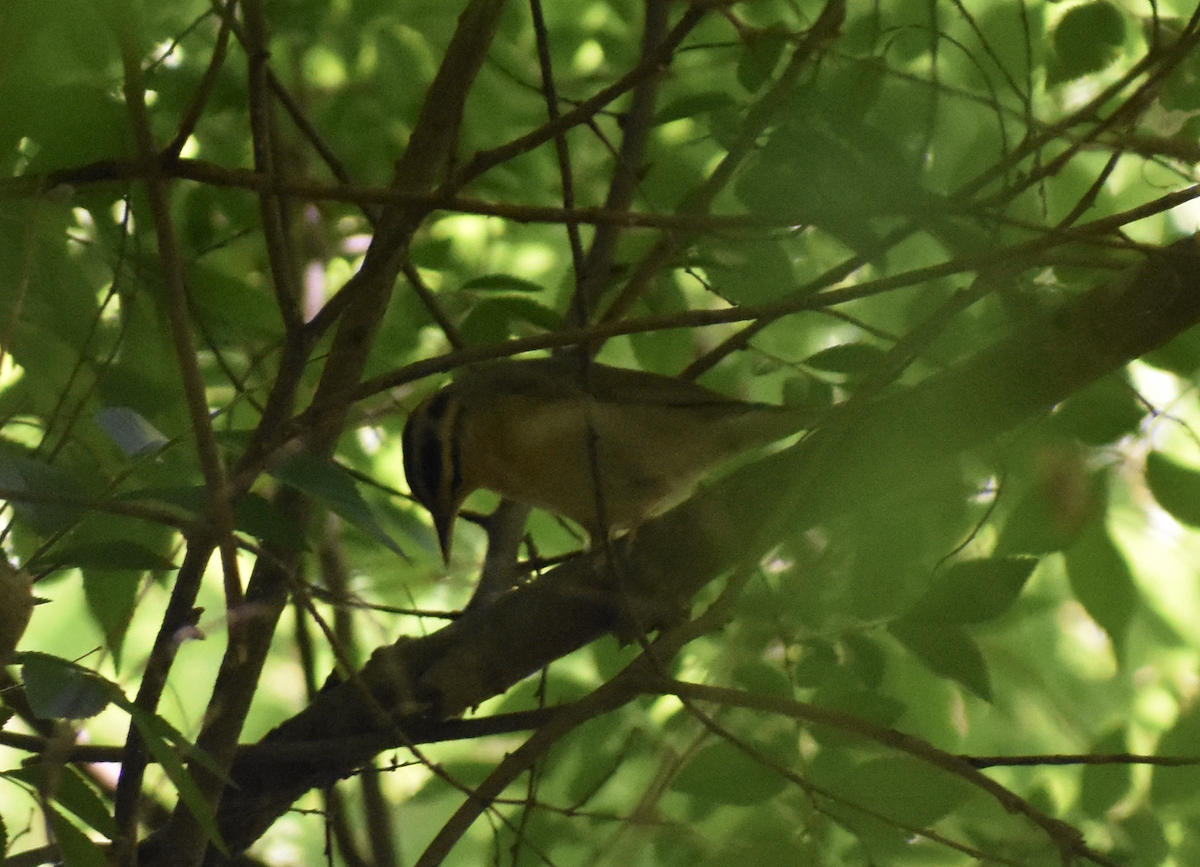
x,y
1103,786
692,104
1179,787
71,791
1176,487
153,724
1103,412
1147,844
258,517
1103,583
854,359
866,659
158,735
502,283
23,473
973,591
881,799
874,707
1181,354
254,515
759,58
904,789
817,666
112,596
764,678
1053,512
329,483
721,773
495,319
1087,39
61,689
749,272
946,650
58,114
118,554
76,848
760,837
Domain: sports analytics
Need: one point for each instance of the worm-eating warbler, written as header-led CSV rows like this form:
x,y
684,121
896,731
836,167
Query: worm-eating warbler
x,y
532,431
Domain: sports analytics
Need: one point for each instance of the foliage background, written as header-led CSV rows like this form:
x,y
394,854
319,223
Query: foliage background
x,y
793,201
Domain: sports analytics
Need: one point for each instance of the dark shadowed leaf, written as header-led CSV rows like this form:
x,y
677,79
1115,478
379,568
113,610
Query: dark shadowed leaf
x,y
502,283
119,554
724,774
972,591
1176,487
72,791
1086,39
60,689
853,359
1103,786
329,483
948,650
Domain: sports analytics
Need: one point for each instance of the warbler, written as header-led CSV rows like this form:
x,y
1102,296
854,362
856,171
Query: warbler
x,y
608,448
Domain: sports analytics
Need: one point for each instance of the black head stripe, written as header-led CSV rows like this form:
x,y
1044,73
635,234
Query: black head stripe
x,y
453,429
425,441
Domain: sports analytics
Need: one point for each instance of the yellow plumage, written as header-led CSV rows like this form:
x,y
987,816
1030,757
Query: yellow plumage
x,y
608,449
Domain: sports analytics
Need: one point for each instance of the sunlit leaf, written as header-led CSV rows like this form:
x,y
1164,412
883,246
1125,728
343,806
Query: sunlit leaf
x,y
1103,583
78,850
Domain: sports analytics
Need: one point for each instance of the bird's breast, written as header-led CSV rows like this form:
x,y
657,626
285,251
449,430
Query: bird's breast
x,y
586,460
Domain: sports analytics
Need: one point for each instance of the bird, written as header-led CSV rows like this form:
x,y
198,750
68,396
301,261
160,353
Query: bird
x,y
16,607
607,447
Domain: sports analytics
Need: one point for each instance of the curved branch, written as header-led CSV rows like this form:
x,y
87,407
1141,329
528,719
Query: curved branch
x,y
884,449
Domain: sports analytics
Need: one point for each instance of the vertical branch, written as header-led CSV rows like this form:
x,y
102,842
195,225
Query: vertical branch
x,y
195,109
757,120
368,293
560,140
219,517
419,169
639,121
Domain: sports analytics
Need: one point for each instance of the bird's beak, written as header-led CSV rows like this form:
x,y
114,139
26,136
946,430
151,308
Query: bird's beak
x,y
443,522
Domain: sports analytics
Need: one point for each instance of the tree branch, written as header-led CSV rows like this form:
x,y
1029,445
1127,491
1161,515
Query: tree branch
x,y
882,450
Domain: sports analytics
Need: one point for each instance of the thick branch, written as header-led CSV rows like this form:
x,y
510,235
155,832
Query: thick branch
x,y
880,450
